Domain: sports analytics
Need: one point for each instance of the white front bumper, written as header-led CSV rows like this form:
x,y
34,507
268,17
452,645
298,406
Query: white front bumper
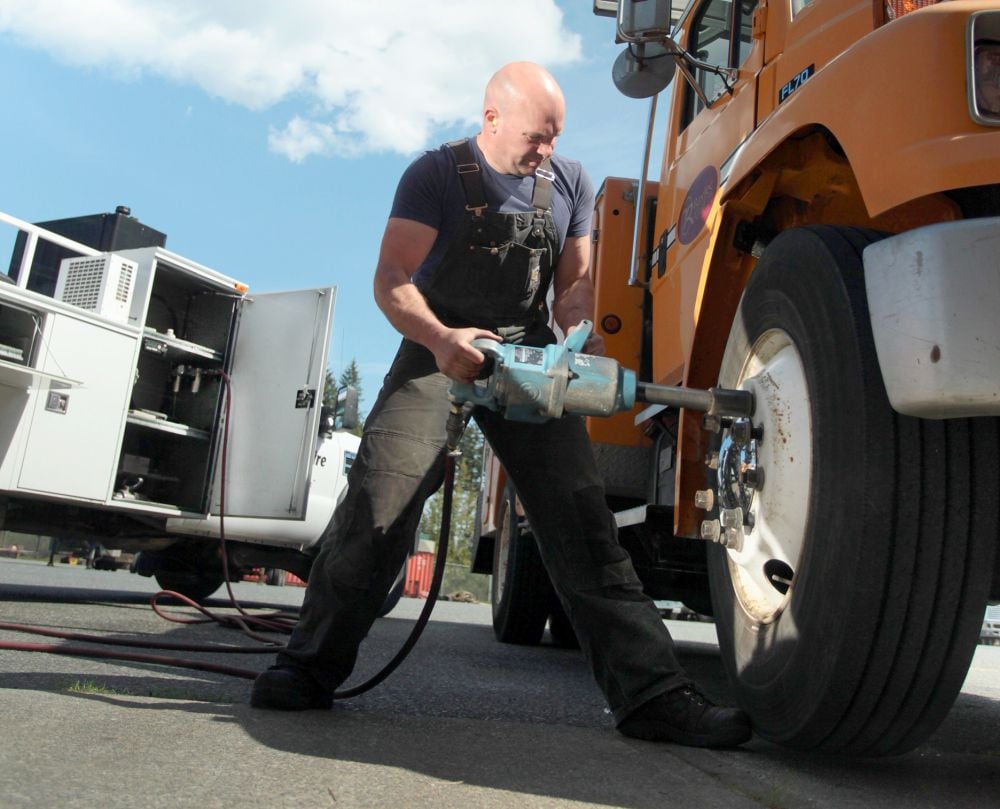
x,y
934,298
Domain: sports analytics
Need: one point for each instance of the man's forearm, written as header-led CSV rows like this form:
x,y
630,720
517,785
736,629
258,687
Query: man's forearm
x,y
406,309
574,304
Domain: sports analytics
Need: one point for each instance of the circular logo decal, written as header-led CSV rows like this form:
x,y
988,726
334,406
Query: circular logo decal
x,y
697,204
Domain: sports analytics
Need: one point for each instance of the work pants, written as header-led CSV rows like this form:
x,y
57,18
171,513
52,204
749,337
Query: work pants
x,y
401,462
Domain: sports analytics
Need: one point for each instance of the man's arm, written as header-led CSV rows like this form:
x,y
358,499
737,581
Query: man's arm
x,y
573,299
405,244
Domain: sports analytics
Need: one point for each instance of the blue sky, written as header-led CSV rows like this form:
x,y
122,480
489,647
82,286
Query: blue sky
x,y
265,137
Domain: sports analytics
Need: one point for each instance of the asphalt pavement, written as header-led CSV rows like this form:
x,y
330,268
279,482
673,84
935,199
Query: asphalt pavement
x,y
464,722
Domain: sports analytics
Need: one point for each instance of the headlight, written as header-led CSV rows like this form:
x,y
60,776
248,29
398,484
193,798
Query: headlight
x,y
894,9
984,67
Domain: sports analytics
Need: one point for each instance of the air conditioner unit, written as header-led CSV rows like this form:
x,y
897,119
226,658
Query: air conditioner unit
x,y
101,284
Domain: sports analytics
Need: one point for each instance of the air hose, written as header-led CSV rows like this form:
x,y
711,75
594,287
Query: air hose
x,y
457,420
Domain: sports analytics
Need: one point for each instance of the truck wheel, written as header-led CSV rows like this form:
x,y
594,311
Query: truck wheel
x,y
195,584
521,592
191,568
850,608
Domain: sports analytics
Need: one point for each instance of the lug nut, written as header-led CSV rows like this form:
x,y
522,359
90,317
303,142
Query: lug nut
x,y
754,478
732,518
733,539
710,530
704,499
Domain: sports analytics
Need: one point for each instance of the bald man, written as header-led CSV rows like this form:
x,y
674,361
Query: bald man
x,y
479,231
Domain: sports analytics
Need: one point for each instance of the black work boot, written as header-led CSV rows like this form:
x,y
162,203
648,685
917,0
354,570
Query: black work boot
x,y
287,688
685,716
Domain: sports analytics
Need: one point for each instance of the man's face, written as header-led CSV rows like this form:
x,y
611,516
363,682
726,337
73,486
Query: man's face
x,y
526,136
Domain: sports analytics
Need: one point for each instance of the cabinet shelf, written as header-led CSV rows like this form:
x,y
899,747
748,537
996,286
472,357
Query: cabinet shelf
x,y
175,347
140,419
15,375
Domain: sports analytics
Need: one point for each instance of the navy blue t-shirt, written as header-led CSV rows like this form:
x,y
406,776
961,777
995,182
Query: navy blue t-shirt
x,y
430,192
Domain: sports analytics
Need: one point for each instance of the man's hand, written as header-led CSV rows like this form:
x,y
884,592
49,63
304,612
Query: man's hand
x,y
455,355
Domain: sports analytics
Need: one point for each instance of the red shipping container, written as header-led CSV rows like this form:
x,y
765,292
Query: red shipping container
x,y
419,572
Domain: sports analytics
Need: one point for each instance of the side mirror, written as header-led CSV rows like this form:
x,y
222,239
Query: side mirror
x,y
327,420
347,407
642,71
652,56
644,20
647,64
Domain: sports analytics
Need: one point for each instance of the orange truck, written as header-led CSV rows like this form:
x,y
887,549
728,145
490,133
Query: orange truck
x,y
825,233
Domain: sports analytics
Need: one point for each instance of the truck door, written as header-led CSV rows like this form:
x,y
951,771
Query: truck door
x,y
276,374
699,151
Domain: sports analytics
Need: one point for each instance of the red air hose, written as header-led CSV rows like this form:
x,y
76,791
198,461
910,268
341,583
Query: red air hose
x,y
276,622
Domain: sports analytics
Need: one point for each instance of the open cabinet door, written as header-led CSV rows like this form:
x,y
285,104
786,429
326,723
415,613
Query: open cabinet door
x,y
277,371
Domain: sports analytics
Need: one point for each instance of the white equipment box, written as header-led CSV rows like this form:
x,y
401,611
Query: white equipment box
x,y
100,284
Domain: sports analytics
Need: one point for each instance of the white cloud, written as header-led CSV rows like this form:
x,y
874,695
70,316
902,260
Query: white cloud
x,y
364,76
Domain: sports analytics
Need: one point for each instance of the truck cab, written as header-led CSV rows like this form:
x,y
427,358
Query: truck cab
x,y
824,233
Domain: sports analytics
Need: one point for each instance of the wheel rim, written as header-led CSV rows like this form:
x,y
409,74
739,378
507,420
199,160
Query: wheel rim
x,y
764,475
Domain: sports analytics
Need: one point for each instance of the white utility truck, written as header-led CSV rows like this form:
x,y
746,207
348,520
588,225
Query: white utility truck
x,y
148,403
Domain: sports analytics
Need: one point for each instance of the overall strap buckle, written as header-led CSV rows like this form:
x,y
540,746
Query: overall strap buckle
x,y
470,174
541,197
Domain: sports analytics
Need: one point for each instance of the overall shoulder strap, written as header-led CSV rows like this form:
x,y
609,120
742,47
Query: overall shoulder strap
x,y
470,174
541,197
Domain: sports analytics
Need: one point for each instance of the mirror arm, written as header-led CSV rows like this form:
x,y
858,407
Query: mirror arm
x,y
729,74
682,65
684,60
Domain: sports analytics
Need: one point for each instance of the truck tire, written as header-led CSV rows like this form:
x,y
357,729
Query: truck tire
x,y
521,593
195,584
848,618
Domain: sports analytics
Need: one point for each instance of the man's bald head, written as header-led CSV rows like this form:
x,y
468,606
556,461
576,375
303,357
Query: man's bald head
x,y
522,82
523,113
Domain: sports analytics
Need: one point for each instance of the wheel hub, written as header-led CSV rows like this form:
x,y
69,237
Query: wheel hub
x,y
763,527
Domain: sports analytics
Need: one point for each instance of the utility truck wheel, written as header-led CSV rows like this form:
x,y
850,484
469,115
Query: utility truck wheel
x,y
195,573
521,592
853,576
